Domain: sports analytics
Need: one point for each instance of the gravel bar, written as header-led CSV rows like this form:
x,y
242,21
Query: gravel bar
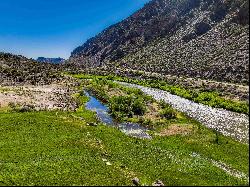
x,y
226,122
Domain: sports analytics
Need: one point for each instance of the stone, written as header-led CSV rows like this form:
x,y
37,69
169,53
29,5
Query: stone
x,y
136,181
108,164
93,124
158,183
104,160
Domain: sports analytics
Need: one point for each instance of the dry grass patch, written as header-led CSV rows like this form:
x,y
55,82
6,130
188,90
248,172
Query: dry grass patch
x,y
177,129
115,92
153,111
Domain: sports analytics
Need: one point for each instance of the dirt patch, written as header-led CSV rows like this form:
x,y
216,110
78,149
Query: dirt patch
x,y
153,111
115,92
47,97
183,129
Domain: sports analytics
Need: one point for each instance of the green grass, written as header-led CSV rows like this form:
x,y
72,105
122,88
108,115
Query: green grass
x,y
3,89
212,99
43,149
53,148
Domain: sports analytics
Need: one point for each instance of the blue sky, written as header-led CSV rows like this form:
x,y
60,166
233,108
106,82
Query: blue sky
x,y
53,28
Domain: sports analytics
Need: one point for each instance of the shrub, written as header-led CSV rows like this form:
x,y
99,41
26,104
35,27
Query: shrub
x,y
168,113
147,122
163,104
127,106
138,107
25,108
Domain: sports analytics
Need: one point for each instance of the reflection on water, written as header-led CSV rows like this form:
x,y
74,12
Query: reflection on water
x,y
101,110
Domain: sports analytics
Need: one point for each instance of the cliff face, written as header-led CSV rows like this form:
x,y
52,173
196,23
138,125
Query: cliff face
x,y
194,38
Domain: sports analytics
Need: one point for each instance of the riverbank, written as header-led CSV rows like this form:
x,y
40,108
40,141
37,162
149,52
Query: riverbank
x,y
65,148
226,122
206,97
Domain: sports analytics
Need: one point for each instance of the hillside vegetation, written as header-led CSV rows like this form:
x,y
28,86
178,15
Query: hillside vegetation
x,y
51,60
17,69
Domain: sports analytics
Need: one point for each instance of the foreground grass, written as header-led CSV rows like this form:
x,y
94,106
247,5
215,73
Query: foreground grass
x,y
55,148
212,99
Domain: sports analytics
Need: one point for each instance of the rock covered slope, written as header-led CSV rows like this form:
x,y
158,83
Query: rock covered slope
x,y
191,38
17,69
220,54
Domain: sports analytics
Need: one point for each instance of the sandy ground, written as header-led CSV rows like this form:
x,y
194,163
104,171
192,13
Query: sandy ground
x,y
41,97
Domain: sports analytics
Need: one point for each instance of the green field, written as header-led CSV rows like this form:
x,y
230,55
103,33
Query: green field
x,y
59,148
45,148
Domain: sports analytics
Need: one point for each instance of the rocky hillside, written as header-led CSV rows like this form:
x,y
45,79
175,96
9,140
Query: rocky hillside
x,y
191,38
16,69
50,60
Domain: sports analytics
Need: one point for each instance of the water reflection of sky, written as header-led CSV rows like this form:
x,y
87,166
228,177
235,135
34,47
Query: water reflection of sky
x,y
94,104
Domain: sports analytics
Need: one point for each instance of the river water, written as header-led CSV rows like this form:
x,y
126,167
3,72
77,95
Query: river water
x,y
102,111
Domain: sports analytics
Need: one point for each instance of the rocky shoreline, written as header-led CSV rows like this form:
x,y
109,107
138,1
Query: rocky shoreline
x,y
226,122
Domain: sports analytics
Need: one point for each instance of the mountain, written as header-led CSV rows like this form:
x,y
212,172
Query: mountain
x,y
51,60
205,39
17,69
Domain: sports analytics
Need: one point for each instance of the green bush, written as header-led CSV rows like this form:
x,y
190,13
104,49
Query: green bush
x,y
147,122
26,108
98,90
12,105
127,106
139,107
168,113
